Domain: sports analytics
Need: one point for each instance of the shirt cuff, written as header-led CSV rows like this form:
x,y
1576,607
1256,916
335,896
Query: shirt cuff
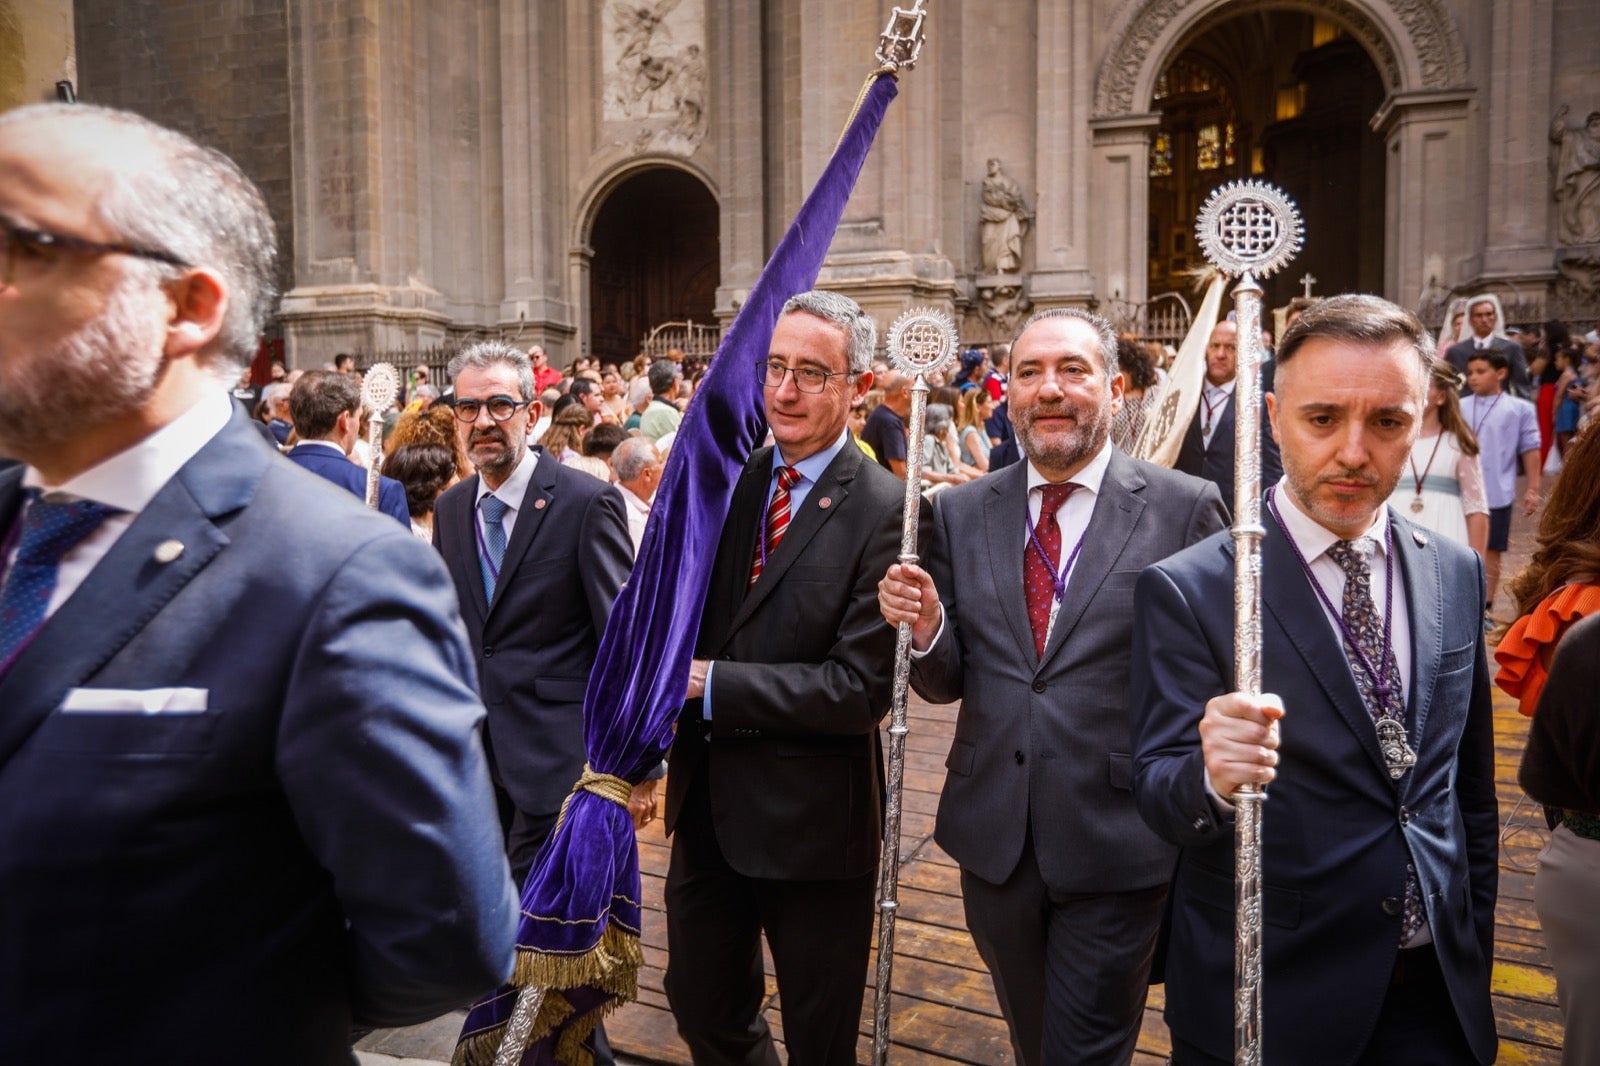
x,y
915,654
1221,806
705,699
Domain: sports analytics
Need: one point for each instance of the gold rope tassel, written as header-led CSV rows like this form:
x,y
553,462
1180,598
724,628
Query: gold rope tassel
x,y
884,71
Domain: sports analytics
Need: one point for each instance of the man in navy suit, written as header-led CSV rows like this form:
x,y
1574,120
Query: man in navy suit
x,y
325,407
243,802
1380,837
1207,448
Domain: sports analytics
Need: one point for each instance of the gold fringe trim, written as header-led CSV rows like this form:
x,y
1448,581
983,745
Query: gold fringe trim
x,y
611,966
480,1048
569,1050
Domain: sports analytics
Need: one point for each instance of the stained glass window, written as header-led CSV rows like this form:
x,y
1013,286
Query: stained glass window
x,y
1208,147
1227,146
1161,156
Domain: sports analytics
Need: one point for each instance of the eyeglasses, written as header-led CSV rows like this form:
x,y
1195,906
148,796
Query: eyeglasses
x,y
19,242
500,408
806,378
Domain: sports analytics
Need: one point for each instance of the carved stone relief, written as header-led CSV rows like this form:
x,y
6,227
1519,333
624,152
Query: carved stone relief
x,y
1575,167
654,57
1002,303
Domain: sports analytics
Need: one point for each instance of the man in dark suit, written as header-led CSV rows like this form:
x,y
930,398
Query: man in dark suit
x,y
243,803
1207,448
1064,907
1483,316
325,407
775,795
539,552
1380,832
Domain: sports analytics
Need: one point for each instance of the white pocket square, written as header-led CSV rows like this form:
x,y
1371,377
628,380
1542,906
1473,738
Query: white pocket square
x,y
135,701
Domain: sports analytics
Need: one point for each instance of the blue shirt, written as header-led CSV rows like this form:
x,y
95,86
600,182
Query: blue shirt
x,y
1506,427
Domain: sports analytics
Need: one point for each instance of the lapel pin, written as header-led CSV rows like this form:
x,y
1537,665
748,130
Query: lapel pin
x,y
538,505
1420,537
168,551
825,502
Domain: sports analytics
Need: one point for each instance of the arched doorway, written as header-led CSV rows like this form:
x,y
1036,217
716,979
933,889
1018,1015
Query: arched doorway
x,y
657,258
1285,97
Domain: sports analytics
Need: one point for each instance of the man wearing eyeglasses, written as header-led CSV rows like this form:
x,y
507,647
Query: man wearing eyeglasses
x,y
242,803
539,552
776,786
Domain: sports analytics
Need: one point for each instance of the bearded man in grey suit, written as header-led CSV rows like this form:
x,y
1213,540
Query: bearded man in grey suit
x,y
1034,639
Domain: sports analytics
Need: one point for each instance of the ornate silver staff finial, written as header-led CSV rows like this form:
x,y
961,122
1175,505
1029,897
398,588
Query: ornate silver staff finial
x,y
379,387
921,341
901,41
1248,230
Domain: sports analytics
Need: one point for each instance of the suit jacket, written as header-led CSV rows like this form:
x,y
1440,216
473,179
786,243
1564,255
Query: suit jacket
x,y
341,471
1049,735
1336,829
1517,381
1216,463
803,675
567,557
316,846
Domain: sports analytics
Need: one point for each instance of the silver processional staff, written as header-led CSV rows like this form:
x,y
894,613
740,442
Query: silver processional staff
x,y
1248,230
379,387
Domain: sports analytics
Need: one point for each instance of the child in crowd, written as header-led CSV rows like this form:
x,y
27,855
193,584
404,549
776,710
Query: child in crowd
x,y
1507,429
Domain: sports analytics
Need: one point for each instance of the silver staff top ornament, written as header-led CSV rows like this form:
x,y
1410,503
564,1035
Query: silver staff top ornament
x,y
1249,227
921,340
900,44
379,387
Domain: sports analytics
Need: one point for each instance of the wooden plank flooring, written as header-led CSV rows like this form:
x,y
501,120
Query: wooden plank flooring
x,y
944,1009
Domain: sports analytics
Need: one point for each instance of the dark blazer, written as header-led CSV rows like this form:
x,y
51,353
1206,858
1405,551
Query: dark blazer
x,y
341,471
1216,463
1052,734
803,675
1335,828
316,847
566,560
1517,381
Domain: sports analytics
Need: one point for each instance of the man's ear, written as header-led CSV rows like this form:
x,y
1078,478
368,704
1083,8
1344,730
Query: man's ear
x,y
199,302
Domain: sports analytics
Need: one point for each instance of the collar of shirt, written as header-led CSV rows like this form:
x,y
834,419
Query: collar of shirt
x,y
1216,392
811,468
340,452
632,499
511,491
1073,518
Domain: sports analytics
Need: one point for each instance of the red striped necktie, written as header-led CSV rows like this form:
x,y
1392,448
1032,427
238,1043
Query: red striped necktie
x,y
777,520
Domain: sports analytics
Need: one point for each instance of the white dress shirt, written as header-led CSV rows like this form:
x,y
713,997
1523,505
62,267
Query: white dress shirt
x,y
127,481
510,493
638,515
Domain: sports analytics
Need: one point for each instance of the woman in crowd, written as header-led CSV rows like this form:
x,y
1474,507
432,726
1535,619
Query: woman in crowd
x,y
1561,769
436,425
425,470
613,396
1442,487
941,458
564,439
976,407
1450,328
1569,396
1561,583
1141,387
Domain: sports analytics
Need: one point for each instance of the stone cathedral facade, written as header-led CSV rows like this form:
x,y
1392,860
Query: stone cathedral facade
x,y
576,172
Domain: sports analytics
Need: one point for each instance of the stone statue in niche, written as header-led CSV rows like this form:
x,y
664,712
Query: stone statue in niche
x,y
1003,220
1577,177
1002,303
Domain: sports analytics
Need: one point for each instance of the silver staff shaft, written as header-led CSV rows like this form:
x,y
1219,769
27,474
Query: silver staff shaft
x,y
1247,533
374,456
530,998
889,868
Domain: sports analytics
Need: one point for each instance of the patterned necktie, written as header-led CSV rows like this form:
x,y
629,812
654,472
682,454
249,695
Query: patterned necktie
x,y
1038,576
494,542
777,519
1361,621
48,532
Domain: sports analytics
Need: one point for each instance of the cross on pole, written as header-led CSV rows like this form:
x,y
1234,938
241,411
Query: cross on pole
x,y
1309,280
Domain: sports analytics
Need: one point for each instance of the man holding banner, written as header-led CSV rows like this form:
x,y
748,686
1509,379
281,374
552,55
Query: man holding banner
x,y
775,796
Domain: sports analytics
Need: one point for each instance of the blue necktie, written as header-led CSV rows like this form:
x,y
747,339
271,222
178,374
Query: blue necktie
x,y
48,532
494,542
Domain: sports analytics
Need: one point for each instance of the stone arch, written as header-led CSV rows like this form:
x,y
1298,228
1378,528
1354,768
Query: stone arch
x,y
600,187
1414,43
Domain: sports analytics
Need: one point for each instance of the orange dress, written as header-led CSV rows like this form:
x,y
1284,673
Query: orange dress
x,y
1522,673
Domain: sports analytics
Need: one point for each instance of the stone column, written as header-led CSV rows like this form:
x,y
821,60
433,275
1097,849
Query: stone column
x,y
1062,240
37,41
1517,244
1426,137
1119,186
737,108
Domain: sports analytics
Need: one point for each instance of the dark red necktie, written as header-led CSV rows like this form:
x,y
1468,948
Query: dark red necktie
x,y
777,519
1039,576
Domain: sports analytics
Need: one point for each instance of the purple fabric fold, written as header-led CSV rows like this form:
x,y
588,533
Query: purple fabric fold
x,y
581,899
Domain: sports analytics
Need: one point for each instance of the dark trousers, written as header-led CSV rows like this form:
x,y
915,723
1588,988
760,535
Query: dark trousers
x,y
1416,1027
819,933
1071,971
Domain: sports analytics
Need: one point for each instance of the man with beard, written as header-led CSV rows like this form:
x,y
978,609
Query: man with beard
x,y
1064,907
538,552
1207,448
236,797
1379,839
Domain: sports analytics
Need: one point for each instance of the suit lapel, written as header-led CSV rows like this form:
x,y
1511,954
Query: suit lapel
x,y
460,543
826,498
1116,512
1005,521
1423,575
530,515
128,587
1286,592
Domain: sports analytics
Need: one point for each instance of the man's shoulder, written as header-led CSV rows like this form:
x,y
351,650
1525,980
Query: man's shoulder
x,y
1207,563
1164,484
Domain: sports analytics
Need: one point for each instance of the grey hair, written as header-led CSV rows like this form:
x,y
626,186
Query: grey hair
x,y
860,331
1361,319
632,456
275,392
1107,335
486,355
939,417
196,205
